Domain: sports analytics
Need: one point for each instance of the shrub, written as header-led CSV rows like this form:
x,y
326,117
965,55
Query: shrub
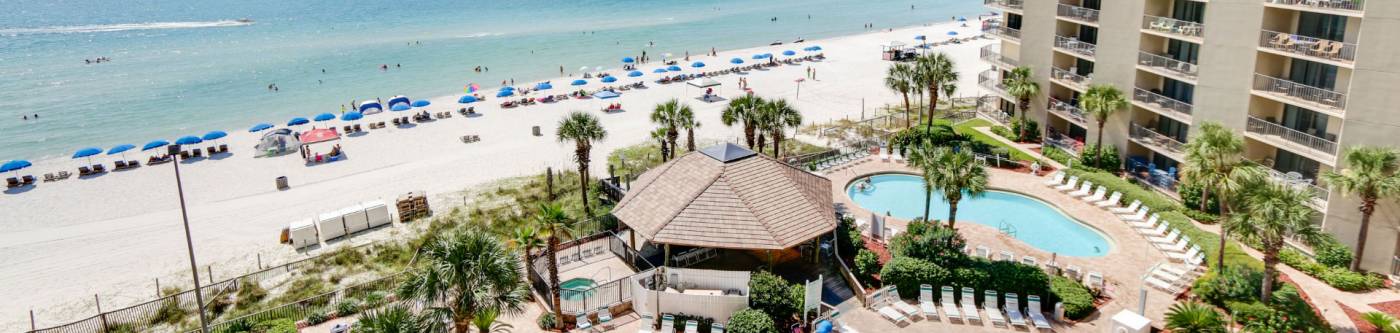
x,y
1032,129
1203,217
933,242
1337,277
1004,132
249,293
848,240
344,256
547,321
169,313
1057,154
772,295
867,264
276,326
1194,317
750,321
1105,158
347,307
1078,302
1234,283
238,325
1331,253
218,304
374,298
1245,312
318,316
907,273
304,288
1191,198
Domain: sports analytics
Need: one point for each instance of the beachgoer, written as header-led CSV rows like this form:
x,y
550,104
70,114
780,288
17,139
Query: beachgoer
x,y
398,66
26,117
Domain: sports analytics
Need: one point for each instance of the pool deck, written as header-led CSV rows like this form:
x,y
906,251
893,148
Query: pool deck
x,y
1130,258
589,268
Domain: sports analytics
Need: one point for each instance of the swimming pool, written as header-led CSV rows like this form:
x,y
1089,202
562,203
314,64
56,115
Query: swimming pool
x,y
576,288
1033,221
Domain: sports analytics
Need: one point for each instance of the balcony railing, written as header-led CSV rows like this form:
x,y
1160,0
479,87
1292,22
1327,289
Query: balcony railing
x,y
992,55
1161,103
990,107
1320,194
1078,13
1068,111
1300,138
990,80
1173,26
1308,46
1352,5
1173,66
1148,137
995,28
1066,144
1067,76
1300,92
1008,4
1075,45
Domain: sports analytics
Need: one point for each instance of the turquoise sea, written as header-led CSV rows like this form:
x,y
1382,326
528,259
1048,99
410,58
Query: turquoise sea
x,y
182,67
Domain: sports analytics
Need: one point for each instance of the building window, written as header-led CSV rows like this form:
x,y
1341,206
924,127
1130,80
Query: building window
x,y
1182,51
1324,26
1313,74
1189,11
1286,161
1178,90
1306,121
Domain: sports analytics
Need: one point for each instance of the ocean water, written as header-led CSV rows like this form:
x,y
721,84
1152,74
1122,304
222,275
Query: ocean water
x,y
183,67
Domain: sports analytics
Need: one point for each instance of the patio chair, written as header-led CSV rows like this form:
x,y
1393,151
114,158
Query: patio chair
x,y
1094,280
668,324
1168,239
1013,310
1097,196
926,301
899,304
989,305
1030,261
969,305
1084,189
1056,179
1069,185
950,308
1335,51
716,328
1033,308
1149,224
1180,246
583,323
879,303
691,326
605,318
1190,254
1159,231
1073,272
645,324
1139,216
1132,207
884,157
1190,267
1007,256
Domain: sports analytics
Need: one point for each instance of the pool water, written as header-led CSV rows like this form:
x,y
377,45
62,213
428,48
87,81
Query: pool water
x,y
576,288
1033,221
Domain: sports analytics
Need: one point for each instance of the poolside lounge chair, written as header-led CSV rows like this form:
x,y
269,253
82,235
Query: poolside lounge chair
x,y
1097,196
1073,272
1139,216
1030,261
668,324
885,310
1033,309
1084,189
1161,230
716,328
692,326
645,324
989,305
1056,179
1073,181
1133,207
969,305
984,252
926,301
605,317
1181,245
1190,267
583,323
1007,256
884,157
1149,224
1113,200
1171,287
1094,280
1190,254
950,308
899,304
1013,310
1168,239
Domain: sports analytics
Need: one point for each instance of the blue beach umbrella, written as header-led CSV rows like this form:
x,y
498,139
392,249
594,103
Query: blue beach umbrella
x,y
504,93
674,68
920,37
352,116
329,116
767,55
508,88
609,79
789,53
214,135
952,33
86,152
544,86
578,82
14,165
297,121
962,18
736,61
188,140
155,144
260,127
659,70
400,107
697,64
757,56
120,149
628,60
421,103
813,48
634,73
467,99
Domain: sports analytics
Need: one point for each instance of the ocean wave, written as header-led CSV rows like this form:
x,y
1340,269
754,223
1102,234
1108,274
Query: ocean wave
x,y
76,29
480,35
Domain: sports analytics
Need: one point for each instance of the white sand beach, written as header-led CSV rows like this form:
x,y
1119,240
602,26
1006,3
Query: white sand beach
x,y
114,234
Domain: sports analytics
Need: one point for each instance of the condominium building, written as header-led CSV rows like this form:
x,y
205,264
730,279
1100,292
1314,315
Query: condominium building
x,y
1300,80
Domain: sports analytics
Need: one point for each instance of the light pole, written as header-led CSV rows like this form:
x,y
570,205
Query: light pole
x,y
174,152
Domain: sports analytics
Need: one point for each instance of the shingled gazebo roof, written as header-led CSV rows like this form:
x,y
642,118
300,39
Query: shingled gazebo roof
x,y
726,196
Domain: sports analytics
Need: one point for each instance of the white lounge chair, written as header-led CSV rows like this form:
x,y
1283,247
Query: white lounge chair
x,y
1168,239
1194,252
899,304
1056,179
1149,224
1112,201
1007,256
1073,181
897,158
1139,216
1030,261
1181,245
1132,207
1159,231
605,318
1074,272
984,252
583,323
1190,267
882,307
926,301
969,305
1084,189
645,324
1033,309
1097,196
950,308
692,326
1094,280
1170,287
1013,310
716,328
668,324
989,305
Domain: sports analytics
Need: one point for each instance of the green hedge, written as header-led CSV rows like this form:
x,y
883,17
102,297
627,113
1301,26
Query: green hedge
x,y
1337,277
750,321
1078,301
1057,154
907,273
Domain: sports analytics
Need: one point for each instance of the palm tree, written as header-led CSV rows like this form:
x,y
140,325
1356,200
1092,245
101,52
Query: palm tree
x,y
1020,83
667,116
558,225
583,129
1371,175
1271,214
1194,317
464,274
900,79
526,239
934,70
396,318
486,323
1214,161
685,118
920,153
955,173
743,110
778,115
659,135
1102,101
1382,321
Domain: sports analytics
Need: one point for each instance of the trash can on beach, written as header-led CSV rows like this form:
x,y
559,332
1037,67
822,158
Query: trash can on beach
x,y
282,182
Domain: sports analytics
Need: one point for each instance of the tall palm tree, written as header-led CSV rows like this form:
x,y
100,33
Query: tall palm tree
x,y
778,115
583,129
667,116
526,239
1194,317
743,110
921,153
659,135
464,274
557,224
1370,174
1270,214
685,119
900,79
1101,101
1215,162
955,173
934,70
1020,83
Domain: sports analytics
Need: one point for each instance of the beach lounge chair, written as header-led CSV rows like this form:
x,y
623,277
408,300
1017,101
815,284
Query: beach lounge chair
x,y
12,182
1033,309
1139,216
989,305
27,180
884,309
1181,245
1067,186
1133,207
605,318
969,305
196,152
1056,179
1084,189
1097,196
99,168
347,129
1073,272
48,177
62,175
135,163
1168,239
1007,256
1013,310
583,323
84,171
692,326
950,308
926,301
899,304
119,165
668,324
1113,200
1149,224
1161,230
357,129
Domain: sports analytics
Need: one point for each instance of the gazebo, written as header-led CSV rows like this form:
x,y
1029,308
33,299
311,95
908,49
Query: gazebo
x,y
728,197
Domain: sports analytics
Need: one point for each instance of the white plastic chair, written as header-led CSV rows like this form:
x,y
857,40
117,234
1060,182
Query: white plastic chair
x,y
1112,201
1073,181
1126,210
1013,310
969,305
989,305
1033,308
926,301
950,308
1056,179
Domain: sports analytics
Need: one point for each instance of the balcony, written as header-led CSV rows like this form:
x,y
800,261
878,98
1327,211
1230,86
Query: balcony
x,y
1164,105
1071,80
1078,13
991,80
1173,28
991,55
1314,49
1157,142
1296,141
995,28
1299,94
1065,143
1320,195
1011,5
1068,111
1075,46
990,107
1337,7
1164,66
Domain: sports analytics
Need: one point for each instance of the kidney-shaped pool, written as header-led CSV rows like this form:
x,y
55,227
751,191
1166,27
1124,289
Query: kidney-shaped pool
x,y
1030,220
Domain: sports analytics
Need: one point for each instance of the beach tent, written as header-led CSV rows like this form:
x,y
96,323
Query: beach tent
x,y
355,219
467,99
277,141
400,99
704,83
505,93
606,94
376,213
319,135
331,224
400,107
371,107
302,233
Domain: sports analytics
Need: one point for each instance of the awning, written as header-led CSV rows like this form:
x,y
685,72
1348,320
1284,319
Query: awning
x,y
319,135
705,83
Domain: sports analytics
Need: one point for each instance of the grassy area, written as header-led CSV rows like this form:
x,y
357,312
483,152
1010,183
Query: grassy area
x,y
968,128
642,157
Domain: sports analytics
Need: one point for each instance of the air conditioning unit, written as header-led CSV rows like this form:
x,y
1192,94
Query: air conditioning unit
x,y
1129,322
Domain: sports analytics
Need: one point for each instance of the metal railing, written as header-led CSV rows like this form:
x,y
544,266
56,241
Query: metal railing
x,y
1065,144
1078,13
1352,5
1174,66
990,107
1264,127
1173,26
1308,46
1068,111
990,80
1320,194
1161,103
990,53
1148,137
1299,91
1009,4
1082,82
1075,45
995,28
